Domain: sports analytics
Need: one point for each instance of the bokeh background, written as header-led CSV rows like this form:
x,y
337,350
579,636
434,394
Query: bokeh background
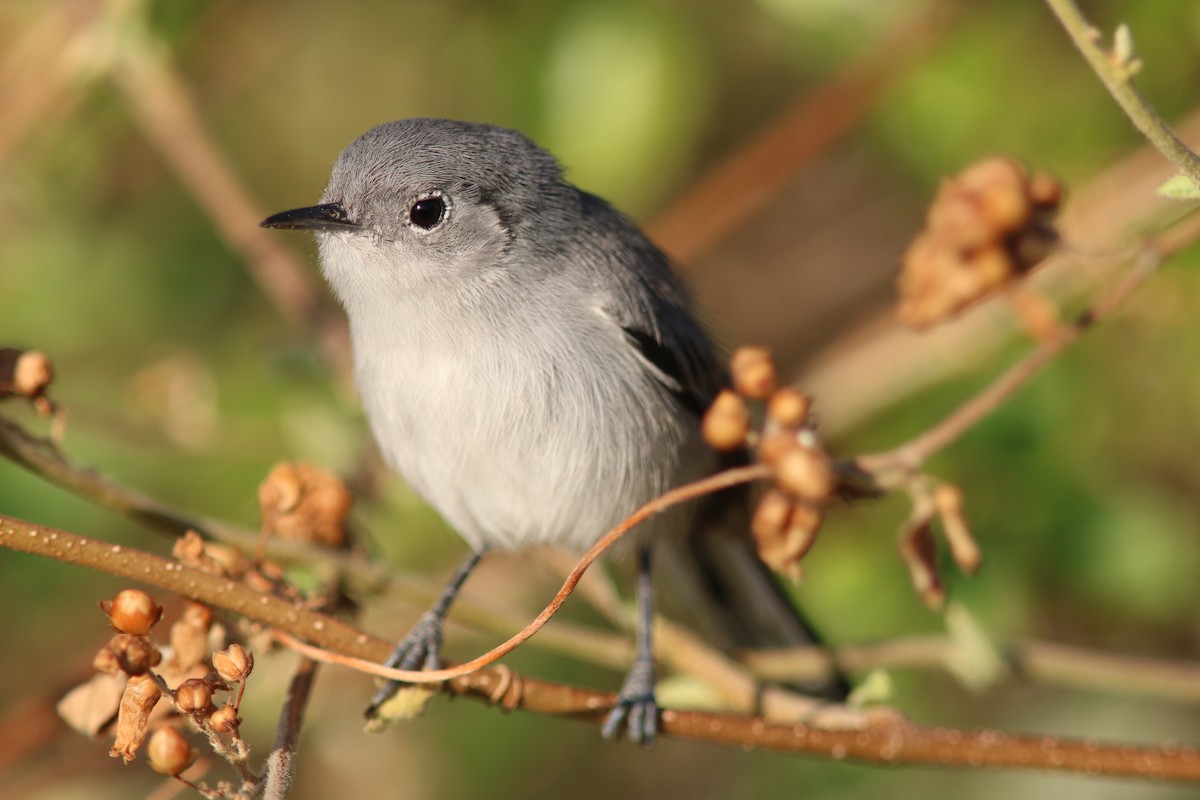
x,y
182,378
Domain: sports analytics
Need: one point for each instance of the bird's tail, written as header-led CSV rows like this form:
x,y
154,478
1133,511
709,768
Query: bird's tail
x,y
732,597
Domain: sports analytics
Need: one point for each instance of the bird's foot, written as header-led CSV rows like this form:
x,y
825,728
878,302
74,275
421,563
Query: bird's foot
x,y
636,711
420,649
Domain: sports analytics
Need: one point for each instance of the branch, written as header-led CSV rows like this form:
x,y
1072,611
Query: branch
x,y
44,458
886,738
1116,71
164,108
1050,663
764,165
281,762
713,483
893,467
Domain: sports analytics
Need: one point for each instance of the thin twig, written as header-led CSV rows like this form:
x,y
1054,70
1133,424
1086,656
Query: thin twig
x,y
45,459
281,762
1115,72
1033,661
164,108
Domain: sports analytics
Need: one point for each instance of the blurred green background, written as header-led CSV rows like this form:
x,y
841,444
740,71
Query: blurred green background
x,y
182,379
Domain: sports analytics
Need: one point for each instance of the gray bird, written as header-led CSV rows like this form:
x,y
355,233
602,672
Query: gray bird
x,y
531,365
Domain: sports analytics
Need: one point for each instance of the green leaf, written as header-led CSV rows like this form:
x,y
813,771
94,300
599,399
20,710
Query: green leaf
x,y
1180,187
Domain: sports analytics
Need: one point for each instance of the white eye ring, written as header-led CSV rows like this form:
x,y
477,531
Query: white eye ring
x,y
429,211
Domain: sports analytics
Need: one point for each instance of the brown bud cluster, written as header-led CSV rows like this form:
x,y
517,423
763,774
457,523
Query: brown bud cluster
x,y
141,676
986,227
787,519
300,501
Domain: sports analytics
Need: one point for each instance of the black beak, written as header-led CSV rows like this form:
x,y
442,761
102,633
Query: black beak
x,y
327,217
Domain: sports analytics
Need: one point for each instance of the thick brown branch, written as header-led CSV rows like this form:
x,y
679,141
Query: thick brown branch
x,y
887,739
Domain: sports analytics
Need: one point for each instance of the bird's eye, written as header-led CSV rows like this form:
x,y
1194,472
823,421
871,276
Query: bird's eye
x,y
428,212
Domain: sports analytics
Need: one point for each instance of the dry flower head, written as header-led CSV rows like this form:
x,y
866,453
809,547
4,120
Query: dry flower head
x,y
299,501
986,227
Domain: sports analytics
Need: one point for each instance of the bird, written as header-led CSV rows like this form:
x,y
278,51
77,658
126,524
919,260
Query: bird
x,y
531,364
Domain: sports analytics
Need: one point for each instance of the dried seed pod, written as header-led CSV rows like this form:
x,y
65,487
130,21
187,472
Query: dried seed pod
x,y
135,654
224,560
189,635
224,719
985,228
197,614
132,611
726,422
789,407
141,694
193,696
233,663
919,553
999,188
189,549
799,537
26,373
784,531
169,753
772,447
964,549
1045,191
32,374
771,517
807,473
753,372
299,501
106,661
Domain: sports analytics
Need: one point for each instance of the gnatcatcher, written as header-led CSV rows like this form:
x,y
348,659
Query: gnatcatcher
x,y
531,365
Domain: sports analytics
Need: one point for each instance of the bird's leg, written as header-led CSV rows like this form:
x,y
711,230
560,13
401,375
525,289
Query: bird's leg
x,y
636,709
421,648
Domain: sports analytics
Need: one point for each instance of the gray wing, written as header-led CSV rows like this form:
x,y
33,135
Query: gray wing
x,y
643,295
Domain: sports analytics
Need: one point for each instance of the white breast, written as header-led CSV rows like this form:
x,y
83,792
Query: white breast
x,y
527,425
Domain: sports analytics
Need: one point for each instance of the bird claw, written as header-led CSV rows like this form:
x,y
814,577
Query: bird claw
x,y
636,711
420,649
